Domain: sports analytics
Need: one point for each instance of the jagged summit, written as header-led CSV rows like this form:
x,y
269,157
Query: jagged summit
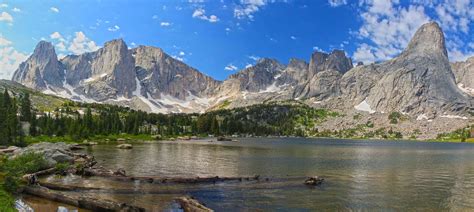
x,y
41,69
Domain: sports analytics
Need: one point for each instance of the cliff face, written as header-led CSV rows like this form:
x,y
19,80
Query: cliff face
x,y
41,69
464,74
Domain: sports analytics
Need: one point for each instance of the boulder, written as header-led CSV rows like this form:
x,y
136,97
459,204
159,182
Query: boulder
x,y
124,146
53,153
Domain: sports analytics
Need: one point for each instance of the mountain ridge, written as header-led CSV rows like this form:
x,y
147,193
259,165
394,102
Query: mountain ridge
x,y
420,81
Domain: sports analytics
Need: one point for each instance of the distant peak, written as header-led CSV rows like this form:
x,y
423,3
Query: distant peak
x,y
429,38
266,61
44,45
115,42
44,50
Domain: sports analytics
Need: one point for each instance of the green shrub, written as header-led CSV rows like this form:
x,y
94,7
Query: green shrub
x,y
394,117
6,201
61,168
14,169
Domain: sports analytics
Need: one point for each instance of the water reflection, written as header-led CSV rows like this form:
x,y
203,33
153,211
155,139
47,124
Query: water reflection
x,y
360,175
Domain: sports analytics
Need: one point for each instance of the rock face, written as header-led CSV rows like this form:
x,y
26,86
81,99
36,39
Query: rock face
x,y
323,75
464,74
41,69
143,78
419,81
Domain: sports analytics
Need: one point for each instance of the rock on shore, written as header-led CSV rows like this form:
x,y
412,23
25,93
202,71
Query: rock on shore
x,y
53,153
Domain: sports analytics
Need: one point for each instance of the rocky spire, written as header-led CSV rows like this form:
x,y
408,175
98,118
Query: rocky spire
x,y
42,68
336,60
428,39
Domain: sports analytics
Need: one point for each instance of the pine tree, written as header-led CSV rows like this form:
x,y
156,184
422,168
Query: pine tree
x,y
33,126
25,110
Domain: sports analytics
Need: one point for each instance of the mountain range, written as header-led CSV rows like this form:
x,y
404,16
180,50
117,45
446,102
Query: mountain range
x,y
420,82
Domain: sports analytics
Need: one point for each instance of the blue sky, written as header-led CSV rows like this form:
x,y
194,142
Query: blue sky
x,y
221,37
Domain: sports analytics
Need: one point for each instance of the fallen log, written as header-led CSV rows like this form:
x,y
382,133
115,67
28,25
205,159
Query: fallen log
x,y
120,176
81,202
189,204
62,187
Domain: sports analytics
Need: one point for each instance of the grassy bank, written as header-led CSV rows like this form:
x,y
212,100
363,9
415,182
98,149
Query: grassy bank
x,y
11,172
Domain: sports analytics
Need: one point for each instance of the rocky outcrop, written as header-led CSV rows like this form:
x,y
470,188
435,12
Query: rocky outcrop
x,y
41,69
259,76
160,74
323,74
53,153
464,75
420,80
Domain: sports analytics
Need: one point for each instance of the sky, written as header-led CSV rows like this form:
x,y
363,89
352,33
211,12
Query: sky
x,y
220,37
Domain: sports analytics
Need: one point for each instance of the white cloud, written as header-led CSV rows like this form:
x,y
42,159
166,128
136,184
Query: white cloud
x,y
247,8
165,24
81,44
201,14
231,67
54,9
10,58
4,41
178,58
114,28
254,58
388,26
248,65
61,46
365,54
4,16
17,10
181,53
458,55
55,35
293,37
3,5
455,15
315,48
387,29
337,3
213,19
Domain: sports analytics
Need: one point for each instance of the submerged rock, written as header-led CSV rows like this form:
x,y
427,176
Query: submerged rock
x,y
124,146
222,138
316,180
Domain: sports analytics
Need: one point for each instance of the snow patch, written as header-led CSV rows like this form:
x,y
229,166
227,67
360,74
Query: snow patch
x,y
421,117
467,90
453,117
94,78
271,88
364,106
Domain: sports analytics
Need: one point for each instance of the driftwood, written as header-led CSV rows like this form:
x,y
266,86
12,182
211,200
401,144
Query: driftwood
x,y
120,176
81,202
189,204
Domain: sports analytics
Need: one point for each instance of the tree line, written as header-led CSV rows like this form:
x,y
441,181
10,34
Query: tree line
x,y
19,118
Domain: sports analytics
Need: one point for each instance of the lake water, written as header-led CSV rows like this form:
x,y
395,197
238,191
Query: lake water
x,y
359,175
